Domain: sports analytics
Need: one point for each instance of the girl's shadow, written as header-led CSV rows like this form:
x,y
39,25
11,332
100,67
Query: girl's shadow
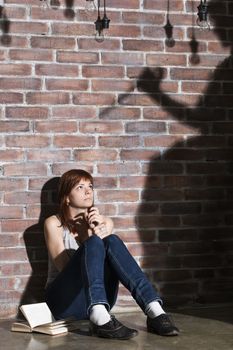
x,y
36,247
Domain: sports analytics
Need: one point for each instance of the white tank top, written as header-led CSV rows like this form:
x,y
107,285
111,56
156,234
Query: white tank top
x,y
71,246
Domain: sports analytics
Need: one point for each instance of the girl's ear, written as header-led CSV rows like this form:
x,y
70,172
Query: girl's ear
x,y
67,201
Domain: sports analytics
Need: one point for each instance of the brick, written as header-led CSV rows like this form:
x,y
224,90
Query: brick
x,y
204,194
143,18
147,249
162,195
74,141
67,84
105,182
20,169
157,167
196,87
101,127
184,154
11,97
49,42
183,181
137,154
207,142
174,5
31,141
13,126
13,254
135,236
17,41
20,83
110,44
22,197
60,168
118,196
13,183
125,31
188,74
166,60
96,99
126,222
15,12
74,112
145,127
181,208
133,4
57,70
77,57
55,126
158,114
120,113
95,155
47,13
142,45
112,85
102,72
27,112
159,32
137,100
205,168
125,58
71,29
178,235
153,221
11,212
8,154
138,181
47,98
162,141
29,27
31,55
48,156
184,47
122,168
179,128
119,141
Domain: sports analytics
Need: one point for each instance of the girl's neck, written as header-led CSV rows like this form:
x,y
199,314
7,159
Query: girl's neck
x,y
74,212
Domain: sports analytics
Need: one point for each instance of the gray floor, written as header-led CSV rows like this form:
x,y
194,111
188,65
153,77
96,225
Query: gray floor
x,y
204,328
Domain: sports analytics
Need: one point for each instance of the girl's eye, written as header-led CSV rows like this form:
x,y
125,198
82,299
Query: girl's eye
x,y
80,187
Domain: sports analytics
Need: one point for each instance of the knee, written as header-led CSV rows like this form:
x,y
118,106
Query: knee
x,y
94,242
112,240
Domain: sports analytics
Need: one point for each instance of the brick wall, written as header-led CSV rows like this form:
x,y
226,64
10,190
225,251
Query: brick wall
x,y
150,115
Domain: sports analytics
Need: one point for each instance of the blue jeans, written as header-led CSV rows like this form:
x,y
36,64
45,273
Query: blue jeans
x,y
92,277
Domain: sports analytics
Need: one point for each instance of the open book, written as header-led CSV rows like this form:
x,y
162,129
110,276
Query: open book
x,y
40,319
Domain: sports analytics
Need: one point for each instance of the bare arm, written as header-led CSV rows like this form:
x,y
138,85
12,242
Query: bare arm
x,y
54,240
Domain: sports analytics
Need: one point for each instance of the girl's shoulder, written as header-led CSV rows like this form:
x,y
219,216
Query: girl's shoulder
x,y
53,222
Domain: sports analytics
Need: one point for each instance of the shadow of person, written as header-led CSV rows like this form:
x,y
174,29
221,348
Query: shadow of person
x,y
187,199
4,27
35,245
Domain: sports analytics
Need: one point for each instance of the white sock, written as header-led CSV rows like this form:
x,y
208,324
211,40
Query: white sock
x,y
154,309
99,315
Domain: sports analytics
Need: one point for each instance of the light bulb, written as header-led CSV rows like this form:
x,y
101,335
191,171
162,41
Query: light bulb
x,y
99,36
90,6
203,24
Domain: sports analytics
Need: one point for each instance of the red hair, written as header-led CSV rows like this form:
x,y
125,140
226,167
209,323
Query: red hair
x,y
67,182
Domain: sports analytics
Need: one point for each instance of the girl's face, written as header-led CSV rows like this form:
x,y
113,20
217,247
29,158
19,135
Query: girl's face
x,y
81,195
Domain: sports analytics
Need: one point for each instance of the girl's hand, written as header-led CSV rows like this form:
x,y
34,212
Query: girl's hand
x,y
94,218
97,223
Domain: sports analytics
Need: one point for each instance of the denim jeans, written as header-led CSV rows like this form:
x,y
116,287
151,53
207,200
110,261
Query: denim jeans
x,y
92,277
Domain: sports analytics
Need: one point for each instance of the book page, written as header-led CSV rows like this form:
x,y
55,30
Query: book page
x,y
37,314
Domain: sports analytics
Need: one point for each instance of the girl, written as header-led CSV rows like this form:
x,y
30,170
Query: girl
x,y
87,261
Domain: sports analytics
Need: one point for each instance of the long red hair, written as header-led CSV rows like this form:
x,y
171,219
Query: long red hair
x,y
67,182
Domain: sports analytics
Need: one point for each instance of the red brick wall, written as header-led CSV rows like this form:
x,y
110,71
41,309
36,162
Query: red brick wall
x,y
151,119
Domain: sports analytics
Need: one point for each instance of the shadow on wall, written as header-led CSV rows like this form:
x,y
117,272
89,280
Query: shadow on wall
x,y
36,247
4,27
188,196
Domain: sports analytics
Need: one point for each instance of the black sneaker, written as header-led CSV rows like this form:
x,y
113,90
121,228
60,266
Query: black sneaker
x,y
113,330
162,325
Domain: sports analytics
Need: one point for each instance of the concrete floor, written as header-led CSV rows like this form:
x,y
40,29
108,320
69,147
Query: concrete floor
x,y
203,328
